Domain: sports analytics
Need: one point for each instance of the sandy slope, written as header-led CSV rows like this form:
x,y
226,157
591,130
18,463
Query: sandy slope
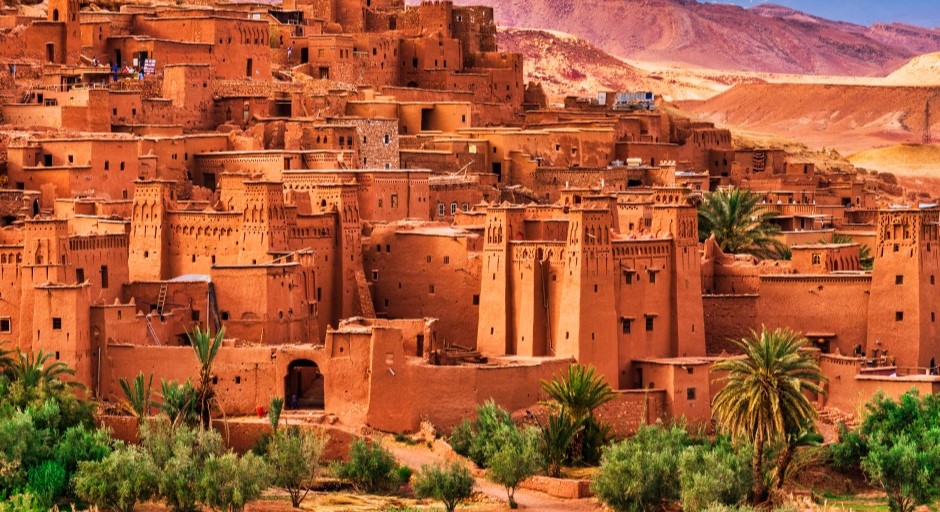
x,y
902,159
851,118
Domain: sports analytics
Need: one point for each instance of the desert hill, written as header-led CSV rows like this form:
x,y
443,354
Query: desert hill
x,y
567,65
922,70
767,38
850,118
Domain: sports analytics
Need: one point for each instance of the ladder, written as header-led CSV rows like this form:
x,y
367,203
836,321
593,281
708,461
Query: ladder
x,y
152,331
161,299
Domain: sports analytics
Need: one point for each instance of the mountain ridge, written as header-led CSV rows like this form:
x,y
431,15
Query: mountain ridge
x,y
777,39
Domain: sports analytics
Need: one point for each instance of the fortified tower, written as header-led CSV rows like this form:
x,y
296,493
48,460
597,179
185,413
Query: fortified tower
x,y
45,247
65,51
904,290
148,256
496,333
588,332
264,225
673,215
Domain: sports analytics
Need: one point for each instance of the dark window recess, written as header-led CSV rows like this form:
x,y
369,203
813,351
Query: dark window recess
x,y
476,300
626,325
649,323
195,315
57,323
690,394
898,316
5,325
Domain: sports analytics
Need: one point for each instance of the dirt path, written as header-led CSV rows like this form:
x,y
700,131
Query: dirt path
x,y
417,455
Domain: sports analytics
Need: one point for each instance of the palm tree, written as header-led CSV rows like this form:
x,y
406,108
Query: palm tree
x,y
206,346
579,391
179,402
31,377
557,435
764,399
137,395
274,413
739,223
806,436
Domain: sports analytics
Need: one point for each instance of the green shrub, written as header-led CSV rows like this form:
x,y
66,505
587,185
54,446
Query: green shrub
x,y
558,433
294,456
181,453
713,475
461,438
449,484
119,481
847,454
476,440
516,457
371,468
22,502
47,481
229,482
641,473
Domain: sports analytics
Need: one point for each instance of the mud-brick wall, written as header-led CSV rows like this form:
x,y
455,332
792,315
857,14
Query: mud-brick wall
x,y
728,317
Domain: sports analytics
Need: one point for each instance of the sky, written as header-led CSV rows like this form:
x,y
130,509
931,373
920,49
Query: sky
x,y
918,12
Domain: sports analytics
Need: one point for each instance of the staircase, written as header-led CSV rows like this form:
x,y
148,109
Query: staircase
x,y
161,299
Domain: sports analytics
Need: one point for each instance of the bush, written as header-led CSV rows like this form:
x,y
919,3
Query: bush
x,y
47,481
23,502
371,468
713,475
461,438
558,433
450,484
294,456
475,440
228,482
899,446
516,458
847,454
641,473
119,481
182,453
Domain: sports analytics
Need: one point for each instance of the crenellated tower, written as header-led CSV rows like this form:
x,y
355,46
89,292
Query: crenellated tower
x,y
905,294
676,217
148,258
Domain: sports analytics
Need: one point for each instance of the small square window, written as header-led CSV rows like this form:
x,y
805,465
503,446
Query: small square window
x,y
375,275
194,315
898,316
476,300
238,380
5,325
649,323
628,277
626,325
690,394
447,260
57,323
431,289
898,279
652,277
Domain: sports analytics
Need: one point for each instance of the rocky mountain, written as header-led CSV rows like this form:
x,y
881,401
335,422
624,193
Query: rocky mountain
x,y
766,38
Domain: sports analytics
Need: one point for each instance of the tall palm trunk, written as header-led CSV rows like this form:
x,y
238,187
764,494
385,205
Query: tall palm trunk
x,y
785,459
759,490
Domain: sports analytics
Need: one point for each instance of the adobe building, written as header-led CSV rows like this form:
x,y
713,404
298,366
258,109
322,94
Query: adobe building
x,y
372,203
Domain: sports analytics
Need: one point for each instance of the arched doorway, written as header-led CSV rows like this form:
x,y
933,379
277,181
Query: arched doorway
x,y
303,385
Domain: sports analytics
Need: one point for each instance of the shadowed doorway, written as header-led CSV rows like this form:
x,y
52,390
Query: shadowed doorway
x,y
303,385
